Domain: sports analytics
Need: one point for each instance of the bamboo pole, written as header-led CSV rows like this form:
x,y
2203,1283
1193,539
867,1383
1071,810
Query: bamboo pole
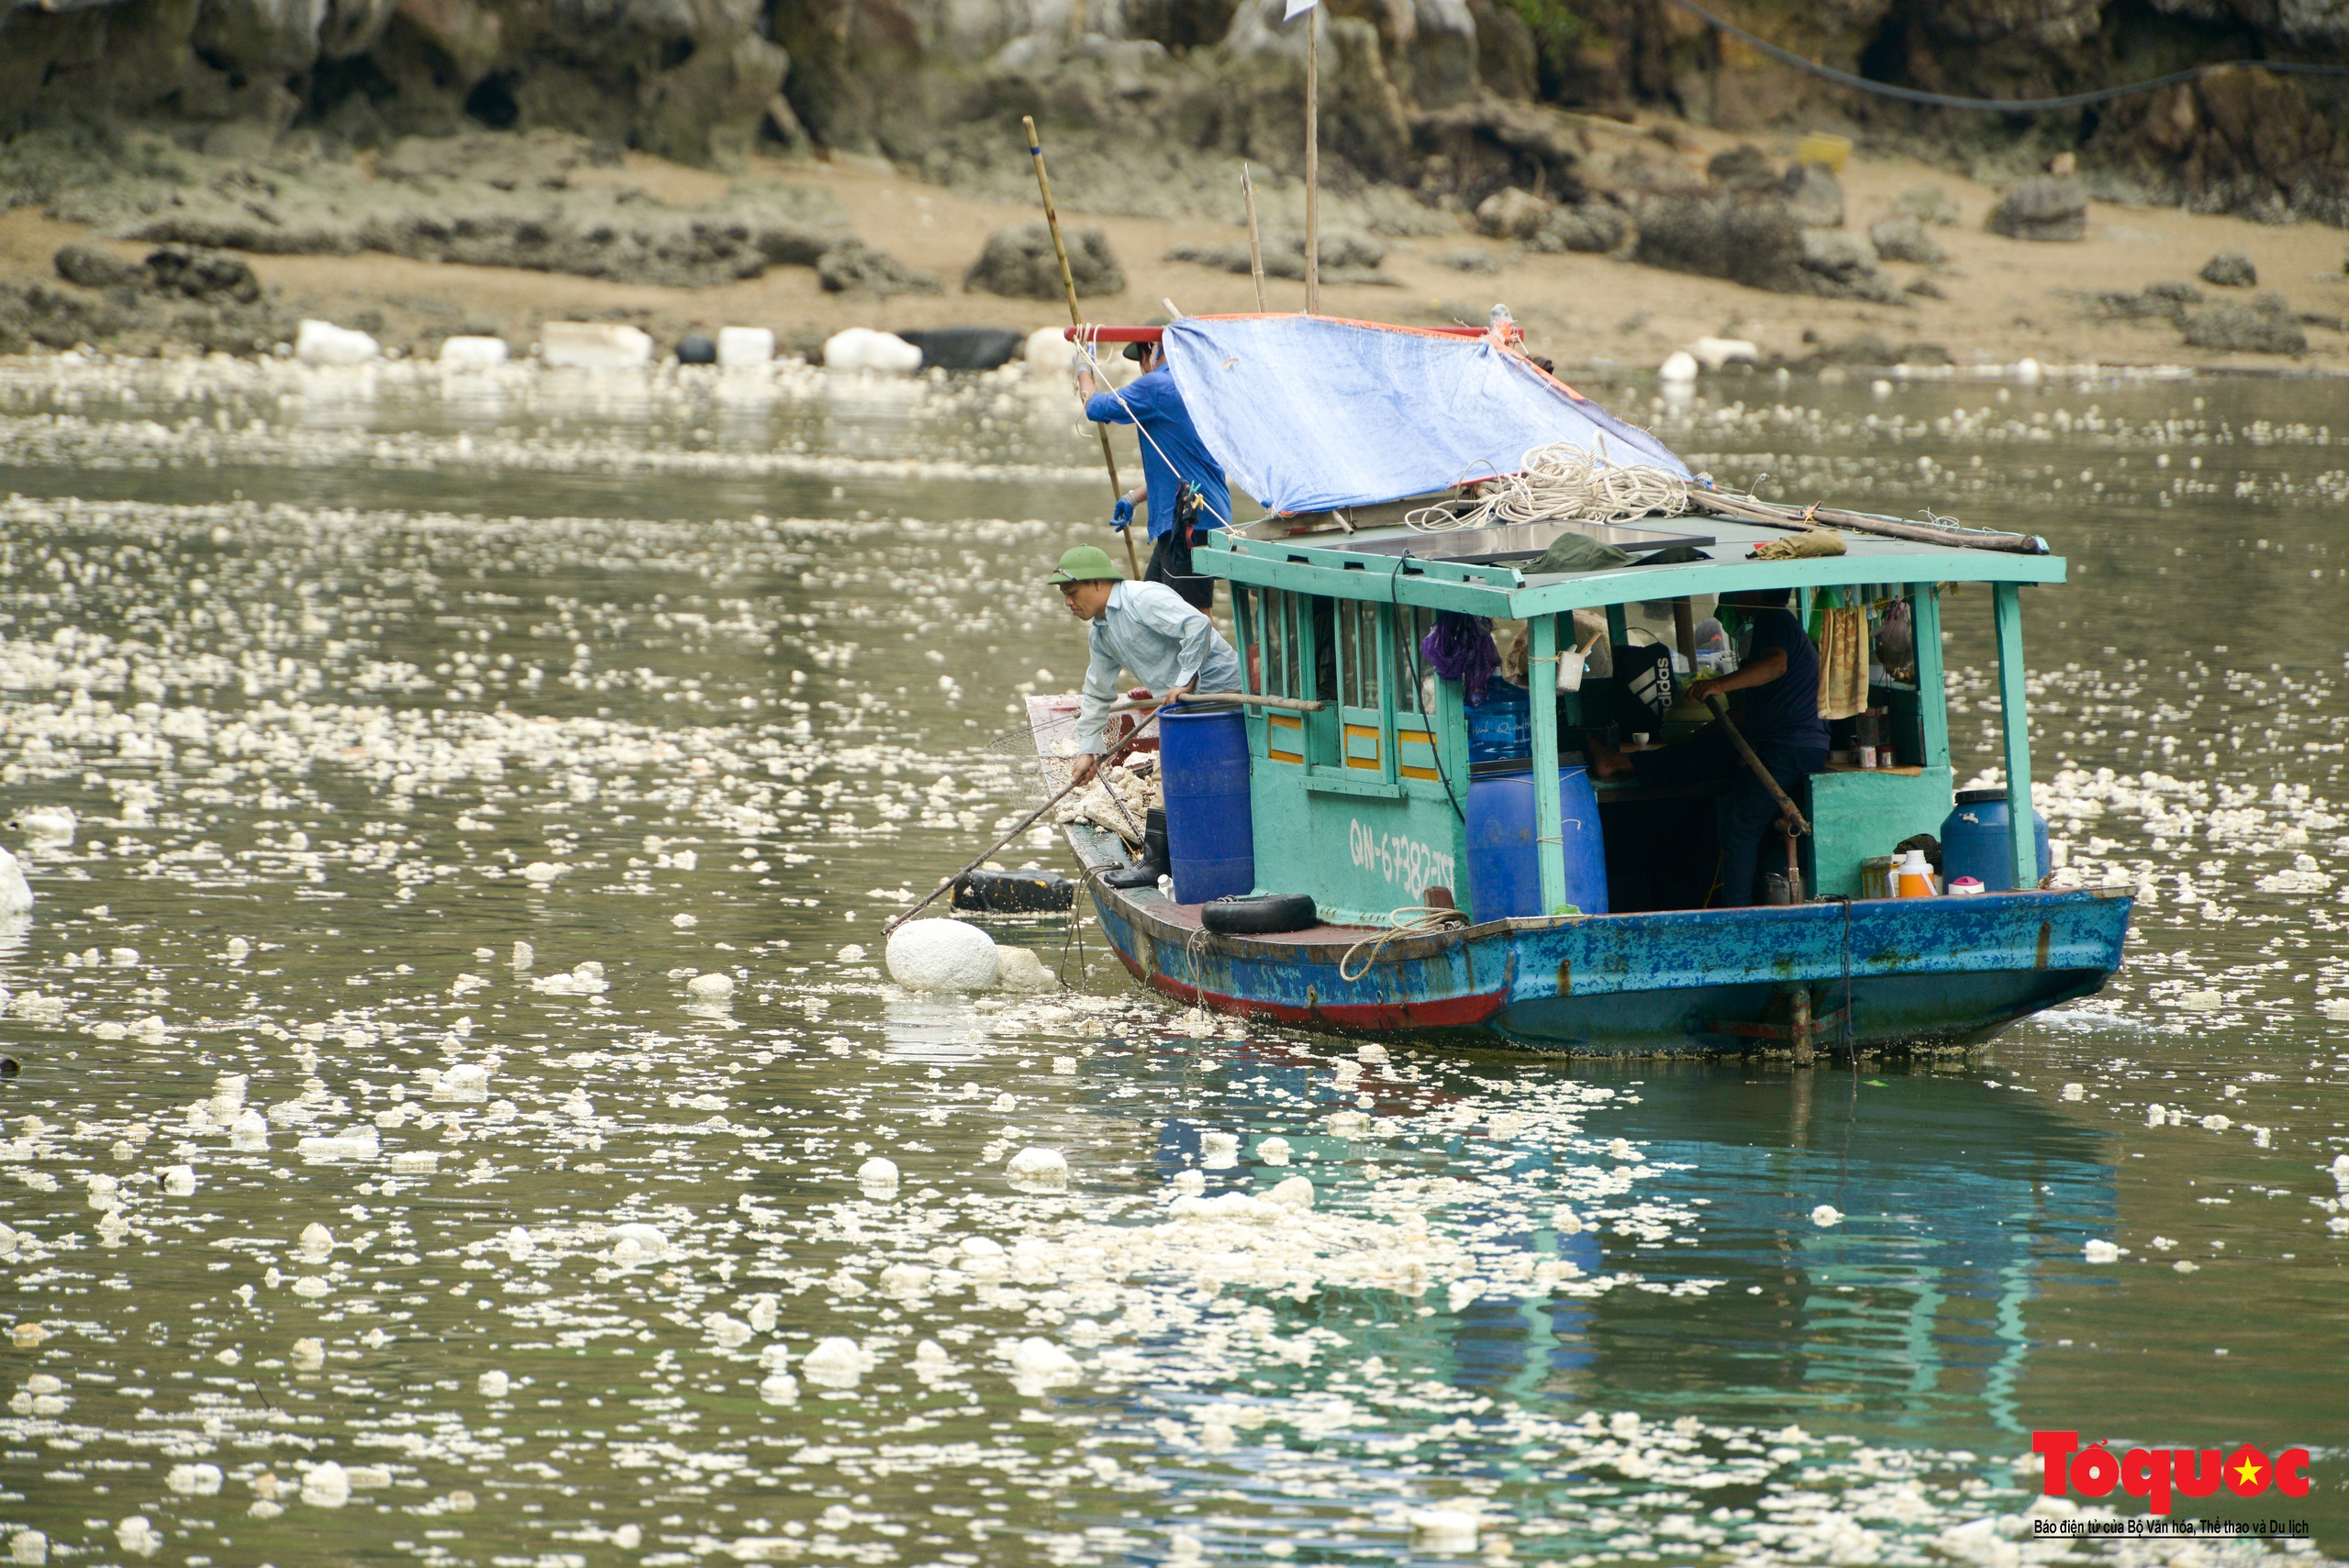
x,y
1025,823
1255,240
1075,318
1788,812
1313,162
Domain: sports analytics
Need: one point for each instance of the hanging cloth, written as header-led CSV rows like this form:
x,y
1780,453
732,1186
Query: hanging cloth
x,y
1460,648
1842,639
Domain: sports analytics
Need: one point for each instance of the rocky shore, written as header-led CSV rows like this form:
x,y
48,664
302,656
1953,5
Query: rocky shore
x,y
1708,236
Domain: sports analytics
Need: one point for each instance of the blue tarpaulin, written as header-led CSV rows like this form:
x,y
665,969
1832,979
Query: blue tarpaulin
x,y
1307,412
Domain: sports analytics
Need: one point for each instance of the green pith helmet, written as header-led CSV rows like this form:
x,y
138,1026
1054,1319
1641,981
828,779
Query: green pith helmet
x,y
1084,564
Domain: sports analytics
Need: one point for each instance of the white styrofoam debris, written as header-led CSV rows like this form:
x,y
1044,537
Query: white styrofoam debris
x,y
594,345
1444,1529
1020,969
740,348
2101,1252
878,1175
325,1485
836,1362
638,1244
494,1384
861,349
474,351
716,986
1825,1215
16,893
46,824
324,343
1038,1171
1679,368
941,955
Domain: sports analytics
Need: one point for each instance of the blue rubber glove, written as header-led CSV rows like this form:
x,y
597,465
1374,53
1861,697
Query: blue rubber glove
x,y
1121,514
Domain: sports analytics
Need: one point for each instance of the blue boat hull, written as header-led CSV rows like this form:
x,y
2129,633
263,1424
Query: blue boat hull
x,y
1940,972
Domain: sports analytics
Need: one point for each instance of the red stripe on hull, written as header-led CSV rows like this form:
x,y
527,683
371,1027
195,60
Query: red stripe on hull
x,y
1451,1013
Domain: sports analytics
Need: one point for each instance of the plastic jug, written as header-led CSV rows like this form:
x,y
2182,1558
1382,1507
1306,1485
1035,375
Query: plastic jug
x,y
1912,878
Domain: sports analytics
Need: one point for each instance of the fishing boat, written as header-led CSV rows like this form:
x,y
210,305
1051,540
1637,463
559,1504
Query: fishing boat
x,y
1364,769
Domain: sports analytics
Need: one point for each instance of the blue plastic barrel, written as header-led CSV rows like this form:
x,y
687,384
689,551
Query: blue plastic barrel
x,y
1211,841
1974,840
1504,874
1501,726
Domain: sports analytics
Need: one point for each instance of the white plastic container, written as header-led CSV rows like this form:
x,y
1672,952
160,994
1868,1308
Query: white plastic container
x,y
1912,878
740,348
594,345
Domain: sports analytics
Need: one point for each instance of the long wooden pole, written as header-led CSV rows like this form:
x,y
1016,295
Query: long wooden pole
x,y
1075,318
1788,811
1313,162
1255,240
1025,823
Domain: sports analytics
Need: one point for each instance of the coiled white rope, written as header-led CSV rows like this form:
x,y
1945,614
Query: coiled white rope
x,y
1561,482
1411,920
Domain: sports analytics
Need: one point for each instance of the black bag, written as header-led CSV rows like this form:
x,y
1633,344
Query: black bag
x,y
1643,680
1170,558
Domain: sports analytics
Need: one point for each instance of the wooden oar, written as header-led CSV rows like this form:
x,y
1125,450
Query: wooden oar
x,y
1075,318
1209,699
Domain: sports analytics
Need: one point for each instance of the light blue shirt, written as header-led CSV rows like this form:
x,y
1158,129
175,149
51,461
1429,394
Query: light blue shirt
x,y
1150,631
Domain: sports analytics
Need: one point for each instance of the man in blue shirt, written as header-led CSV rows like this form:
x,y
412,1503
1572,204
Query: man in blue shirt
x,y
1182,484
1779,719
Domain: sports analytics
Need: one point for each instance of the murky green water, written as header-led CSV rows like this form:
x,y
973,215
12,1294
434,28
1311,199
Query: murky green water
x,y
354,684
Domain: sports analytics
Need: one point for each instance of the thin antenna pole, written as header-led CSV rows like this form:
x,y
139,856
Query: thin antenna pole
x,y
1313,162
1068,283
1256,241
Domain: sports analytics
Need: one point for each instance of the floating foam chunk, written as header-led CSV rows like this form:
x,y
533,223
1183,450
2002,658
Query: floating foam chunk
x,y
1565,1222
309,1354
518,1244
1295,1191
1273,1150
1038,1171
470,352
1715,353
861,349
1825,1215
836,1362
137,1534
8,1238
105,1192
779,1388
324,1149
731,1332
539,874
1219,1150
1039,1361
326,1485
1020,969
2216,1123
638,1244
2101,1252
248,1132
1678,368
194,1480
494,1384
1444,1529
1190,1184
466,1081
905,1280
2155,1116
28,1549
16,893
713,988
318,1241
594,345
1048,351
761,1312
983,1257
324,343
740,348
877,1175
942,955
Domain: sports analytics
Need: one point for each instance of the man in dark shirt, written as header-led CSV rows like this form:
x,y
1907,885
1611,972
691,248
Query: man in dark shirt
x,y
1779,719
1173,457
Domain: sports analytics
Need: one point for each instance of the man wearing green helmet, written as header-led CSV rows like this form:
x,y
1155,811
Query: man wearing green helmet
x,y
1143,628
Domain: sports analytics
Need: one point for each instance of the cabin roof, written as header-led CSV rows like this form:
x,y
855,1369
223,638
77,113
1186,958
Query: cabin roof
x,y
1355,566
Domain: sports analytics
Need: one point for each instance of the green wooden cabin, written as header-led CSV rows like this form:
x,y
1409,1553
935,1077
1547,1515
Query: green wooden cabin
x,y
1359,801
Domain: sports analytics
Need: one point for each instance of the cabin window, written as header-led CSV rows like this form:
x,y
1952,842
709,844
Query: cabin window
x,y
1266,620
1273,661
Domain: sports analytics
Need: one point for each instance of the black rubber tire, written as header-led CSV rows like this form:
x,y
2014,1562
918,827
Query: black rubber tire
x,y
1259,916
